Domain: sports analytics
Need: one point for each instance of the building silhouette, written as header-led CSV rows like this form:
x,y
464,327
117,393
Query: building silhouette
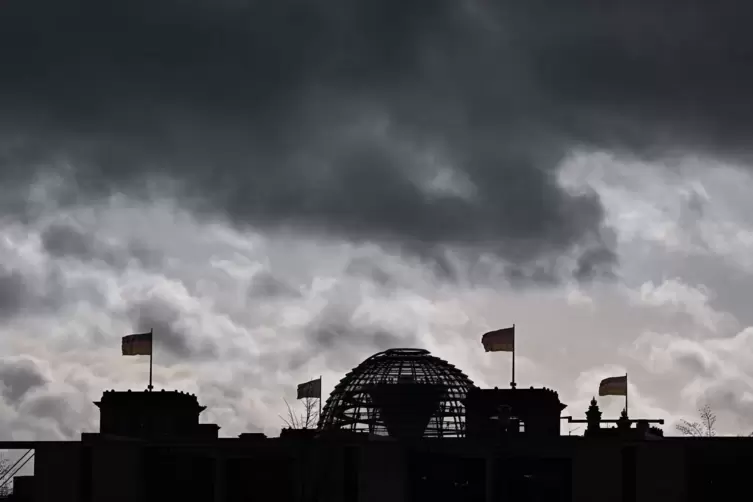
x,y
402,426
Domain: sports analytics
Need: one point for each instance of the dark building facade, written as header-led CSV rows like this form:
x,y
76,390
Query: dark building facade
x,y
152,415
533,412
404,427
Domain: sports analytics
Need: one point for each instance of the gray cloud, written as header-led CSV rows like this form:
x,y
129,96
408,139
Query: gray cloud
x,y
19,377
25,290
343,339
345,344
660,75
345,118
271,112
696,364
266,285
354,301
13,292
67,240
57,410
728,399
172,330
369,269
595,262
43,408
336,117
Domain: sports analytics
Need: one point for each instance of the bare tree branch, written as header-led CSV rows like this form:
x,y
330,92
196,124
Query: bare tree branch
x,y
708,418
5,467
308,419
292,421
704,428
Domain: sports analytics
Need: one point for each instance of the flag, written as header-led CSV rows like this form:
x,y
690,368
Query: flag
x,y
137,345
502,340
613,386
310,389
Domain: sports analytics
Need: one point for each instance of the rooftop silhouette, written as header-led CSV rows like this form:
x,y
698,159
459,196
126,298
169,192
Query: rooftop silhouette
x,y
403,425
152,415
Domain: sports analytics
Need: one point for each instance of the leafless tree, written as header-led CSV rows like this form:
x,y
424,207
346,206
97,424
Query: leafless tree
x,y
704,428
5,466
307,419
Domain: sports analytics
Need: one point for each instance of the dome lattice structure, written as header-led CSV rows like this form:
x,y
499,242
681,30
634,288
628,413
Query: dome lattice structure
x,y
405,393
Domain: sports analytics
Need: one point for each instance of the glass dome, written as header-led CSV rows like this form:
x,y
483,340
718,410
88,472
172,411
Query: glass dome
x,y
404,393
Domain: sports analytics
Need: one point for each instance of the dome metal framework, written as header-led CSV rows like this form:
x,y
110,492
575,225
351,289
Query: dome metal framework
x,y
405,393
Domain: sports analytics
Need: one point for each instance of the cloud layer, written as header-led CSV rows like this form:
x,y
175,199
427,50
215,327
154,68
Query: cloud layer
x,y
288,114
280,189
242,317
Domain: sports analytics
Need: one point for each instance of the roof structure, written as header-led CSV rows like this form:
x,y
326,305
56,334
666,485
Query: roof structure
x,y
404,393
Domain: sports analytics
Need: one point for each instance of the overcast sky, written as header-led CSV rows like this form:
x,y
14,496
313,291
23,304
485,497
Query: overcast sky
x,y
281,189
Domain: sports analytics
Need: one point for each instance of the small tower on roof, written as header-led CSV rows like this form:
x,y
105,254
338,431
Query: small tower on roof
x,y
535,412
145,415
624,423
593,418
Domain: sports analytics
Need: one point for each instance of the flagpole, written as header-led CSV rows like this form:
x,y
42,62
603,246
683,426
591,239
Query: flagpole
x,y
151,356
320,399
626,394
512,384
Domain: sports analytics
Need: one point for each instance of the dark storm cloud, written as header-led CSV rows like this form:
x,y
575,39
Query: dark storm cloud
x,y
731,288
14,292
344,343
370,269
256,106
19,377
696,364
343,340
56,409
730,397
265,285
26,388
169,332
332,335
61,240
595,262
23,292
66,240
